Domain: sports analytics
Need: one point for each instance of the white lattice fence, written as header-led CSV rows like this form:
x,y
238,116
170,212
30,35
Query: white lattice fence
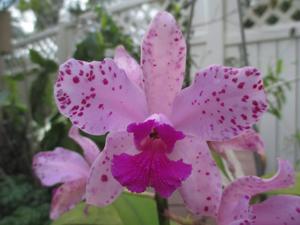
x,y
59,42
269,12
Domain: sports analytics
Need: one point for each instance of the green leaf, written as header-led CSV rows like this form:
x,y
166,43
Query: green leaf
x,y
36,57
3,97
219,162
93,216
128,209
136,209
279,66
41,101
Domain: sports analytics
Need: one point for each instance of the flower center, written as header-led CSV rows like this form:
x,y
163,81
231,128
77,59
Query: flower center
x,y
154,139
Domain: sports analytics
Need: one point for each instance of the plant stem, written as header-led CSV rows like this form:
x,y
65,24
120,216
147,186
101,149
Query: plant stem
x,y
187,78
162,207
242,31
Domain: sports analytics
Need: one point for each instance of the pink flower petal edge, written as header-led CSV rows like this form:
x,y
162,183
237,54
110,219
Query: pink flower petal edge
x,y
102,188
90,149
277,210
132,69
235,200
59,166
250,141
66,196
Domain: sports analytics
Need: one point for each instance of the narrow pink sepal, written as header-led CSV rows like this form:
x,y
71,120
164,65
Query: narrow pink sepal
x,y
163,58
90,149
66,196
132,69
250,141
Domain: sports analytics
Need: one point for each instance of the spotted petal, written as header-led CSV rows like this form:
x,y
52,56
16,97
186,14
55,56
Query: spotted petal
x,y
98,96
277,210
102,188
202,190
163,62
235,201
249,141
222,103
133,70
66,197
59,166
90,149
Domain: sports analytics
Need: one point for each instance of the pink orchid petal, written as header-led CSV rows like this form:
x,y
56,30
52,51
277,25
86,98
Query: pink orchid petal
x,y
163,62
202,190
98,96
235,201
277,210
150,168
222,103
126,62
102,188
250,141
66,197
90,149
59,166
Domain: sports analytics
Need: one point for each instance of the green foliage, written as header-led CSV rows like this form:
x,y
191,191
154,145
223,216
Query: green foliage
x,y
128,209
218,159
22,122
46,12
97,45
42,106
22,203
276,88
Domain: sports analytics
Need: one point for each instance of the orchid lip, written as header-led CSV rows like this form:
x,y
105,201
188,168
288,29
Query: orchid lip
x,y
151,167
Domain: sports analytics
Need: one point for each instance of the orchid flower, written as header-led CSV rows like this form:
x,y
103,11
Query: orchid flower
x,y
250,141
67,167
235,208
158,133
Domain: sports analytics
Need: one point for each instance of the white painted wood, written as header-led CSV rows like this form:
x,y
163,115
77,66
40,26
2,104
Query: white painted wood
x,y
215,31
266,53
233,56
287,126
297,105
